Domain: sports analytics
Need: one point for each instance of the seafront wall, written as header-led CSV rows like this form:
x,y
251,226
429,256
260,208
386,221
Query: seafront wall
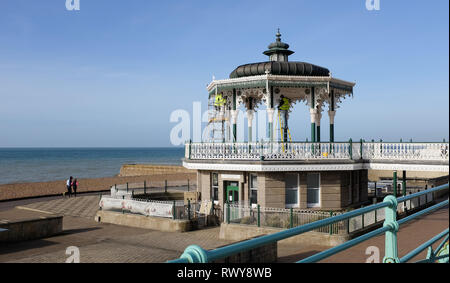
x,y
145,222
30,229
150,169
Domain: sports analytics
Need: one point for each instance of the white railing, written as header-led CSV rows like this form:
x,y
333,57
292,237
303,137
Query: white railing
x,y
318,151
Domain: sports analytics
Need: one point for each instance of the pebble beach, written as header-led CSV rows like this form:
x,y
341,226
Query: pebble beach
x,y
37,189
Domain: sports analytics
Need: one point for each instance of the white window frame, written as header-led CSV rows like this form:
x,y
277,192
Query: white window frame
x,y
216,202
252,188
294,205
319,204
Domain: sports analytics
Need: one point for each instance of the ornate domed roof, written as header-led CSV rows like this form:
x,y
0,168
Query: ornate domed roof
x,y
279,64
280,68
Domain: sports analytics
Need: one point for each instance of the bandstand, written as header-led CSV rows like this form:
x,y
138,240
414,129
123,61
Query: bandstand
x,y
276,172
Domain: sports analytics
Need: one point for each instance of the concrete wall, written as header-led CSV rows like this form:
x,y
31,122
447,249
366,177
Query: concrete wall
x,y
149,169
237,232
140,221
24,230
264,254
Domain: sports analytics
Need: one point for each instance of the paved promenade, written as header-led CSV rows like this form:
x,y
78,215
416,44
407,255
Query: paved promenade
x,y
99,242
410,236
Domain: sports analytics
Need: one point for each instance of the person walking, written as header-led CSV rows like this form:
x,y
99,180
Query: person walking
x,y
75,187
69,186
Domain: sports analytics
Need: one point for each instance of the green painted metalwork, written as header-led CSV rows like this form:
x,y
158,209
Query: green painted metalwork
x,y
390,222
196,254
331,132
440,254
404,183
361,148
331,225
173,210
228,212
350,148
291,218
318,133
259,216
189,209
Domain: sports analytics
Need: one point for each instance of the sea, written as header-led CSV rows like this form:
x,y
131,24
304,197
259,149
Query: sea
x,y
19,165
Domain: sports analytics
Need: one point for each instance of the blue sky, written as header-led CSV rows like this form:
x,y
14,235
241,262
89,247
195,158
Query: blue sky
x,y
111,74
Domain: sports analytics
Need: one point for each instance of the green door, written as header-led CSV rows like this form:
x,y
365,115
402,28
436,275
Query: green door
x,y
232,194
233,198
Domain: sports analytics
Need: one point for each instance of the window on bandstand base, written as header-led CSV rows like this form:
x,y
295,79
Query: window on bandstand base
x,y
291,189
253,185
313,190
215,187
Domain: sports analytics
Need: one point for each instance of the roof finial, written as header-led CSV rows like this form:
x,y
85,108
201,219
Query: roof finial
x,y
278,35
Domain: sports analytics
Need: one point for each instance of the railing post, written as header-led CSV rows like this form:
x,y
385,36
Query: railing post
x,y
391,250
190,145
331,225
381,148
350,149
173,211
394,184
291,218
259,216
418,200
165,186
361,148
189,209
228,212
127,187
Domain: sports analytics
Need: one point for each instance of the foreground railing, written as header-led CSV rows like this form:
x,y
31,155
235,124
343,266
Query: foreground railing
x,y
196,254
258,216
318,151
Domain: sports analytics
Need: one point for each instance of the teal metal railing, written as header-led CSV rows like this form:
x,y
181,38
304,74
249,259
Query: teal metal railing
x,y
196,254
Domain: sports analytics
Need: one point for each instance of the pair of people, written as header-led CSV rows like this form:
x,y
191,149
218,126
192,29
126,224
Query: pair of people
x,y
72,186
